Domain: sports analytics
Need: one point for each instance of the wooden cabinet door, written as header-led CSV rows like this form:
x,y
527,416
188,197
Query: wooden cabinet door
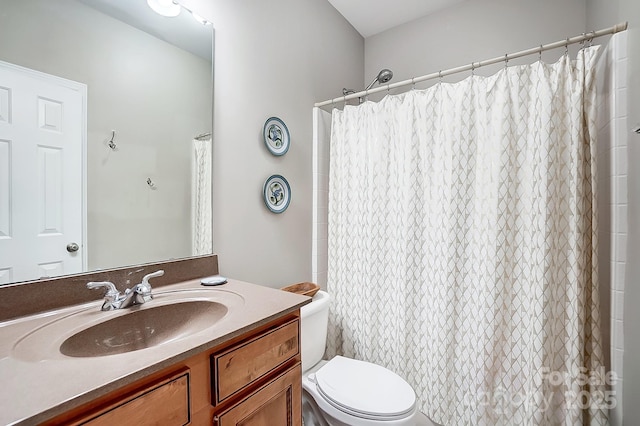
x,y
240,366
276,403
164,404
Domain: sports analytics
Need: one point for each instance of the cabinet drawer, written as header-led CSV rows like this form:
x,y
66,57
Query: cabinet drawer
x,y
243,364
166,403
276,403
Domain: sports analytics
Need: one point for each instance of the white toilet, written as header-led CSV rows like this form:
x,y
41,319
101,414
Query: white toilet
x,y
345,391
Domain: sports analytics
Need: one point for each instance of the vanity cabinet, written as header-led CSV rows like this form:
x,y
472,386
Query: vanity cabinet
x,y
254,379
243,364
276,403
236,370
166,402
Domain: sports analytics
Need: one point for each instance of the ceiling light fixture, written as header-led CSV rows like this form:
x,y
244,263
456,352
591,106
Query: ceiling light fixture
x,y
165,7
199,18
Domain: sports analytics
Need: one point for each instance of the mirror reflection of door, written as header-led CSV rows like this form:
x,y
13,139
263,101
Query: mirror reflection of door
x,y
149,86
42,126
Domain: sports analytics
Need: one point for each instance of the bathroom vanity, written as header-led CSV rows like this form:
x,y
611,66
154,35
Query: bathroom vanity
x,y
230,355
252,379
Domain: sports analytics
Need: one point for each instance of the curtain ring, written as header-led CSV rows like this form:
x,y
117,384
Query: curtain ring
x,y
413,83
584,40
566,47
440,76
593,34
506,60
540,54
473,68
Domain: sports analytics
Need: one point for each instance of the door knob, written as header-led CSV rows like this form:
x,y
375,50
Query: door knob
x,y
72,247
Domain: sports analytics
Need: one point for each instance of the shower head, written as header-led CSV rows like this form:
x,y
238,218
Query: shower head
x,y
383,77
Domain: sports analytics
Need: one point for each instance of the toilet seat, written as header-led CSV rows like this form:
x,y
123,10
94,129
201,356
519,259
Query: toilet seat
x,y
363,390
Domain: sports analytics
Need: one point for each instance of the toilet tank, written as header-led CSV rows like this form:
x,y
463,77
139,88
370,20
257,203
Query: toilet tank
x,y
313,329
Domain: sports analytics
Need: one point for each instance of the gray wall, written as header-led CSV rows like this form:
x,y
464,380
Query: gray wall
x,y
156,97
602,13
472,31
273,58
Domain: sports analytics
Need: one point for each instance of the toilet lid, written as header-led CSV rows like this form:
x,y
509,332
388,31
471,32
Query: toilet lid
x,y
365,389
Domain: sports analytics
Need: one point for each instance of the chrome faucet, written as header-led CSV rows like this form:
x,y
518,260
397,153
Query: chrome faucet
x,y
137,295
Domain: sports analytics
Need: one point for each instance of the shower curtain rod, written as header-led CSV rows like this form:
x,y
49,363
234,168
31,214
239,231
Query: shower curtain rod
x,y
474,65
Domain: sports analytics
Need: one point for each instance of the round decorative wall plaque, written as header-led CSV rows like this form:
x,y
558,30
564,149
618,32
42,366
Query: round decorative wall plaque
x,y
276,136
276,193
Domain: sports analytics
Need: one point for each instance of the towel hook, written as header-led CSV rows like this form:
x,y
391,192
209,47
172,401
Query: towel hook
x,y
111,143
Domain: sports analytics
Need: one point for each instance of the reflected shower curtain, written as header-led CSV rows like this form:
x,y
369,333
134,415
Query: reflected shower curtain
x,y
462,245
201,211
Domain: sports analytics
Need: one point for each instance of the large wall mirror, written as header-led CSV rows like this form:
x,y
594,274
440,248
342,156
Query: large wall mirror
x,y
105,126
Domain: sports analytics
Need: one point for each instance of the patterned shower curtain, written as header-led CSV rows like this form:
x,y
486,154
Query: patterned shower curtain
x,y
201,207
463,245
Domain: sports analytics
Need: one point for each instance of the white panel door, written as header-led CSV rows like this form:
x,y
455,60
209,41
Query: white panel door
x,y
42,134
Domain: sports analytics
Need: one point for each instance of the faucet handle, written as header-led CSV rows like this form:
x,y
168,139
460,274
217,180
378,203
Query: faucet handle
x,y
143,289
111,288
146,278
110,298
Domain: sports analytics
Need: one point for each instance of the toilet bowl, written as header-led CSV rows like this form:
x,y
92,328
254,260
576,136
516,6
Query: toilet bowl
x,y
345,391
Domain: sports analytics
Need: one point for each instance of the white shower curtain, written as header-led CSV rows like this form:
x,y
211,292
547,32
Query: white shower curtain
x,y
201,210
462,245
